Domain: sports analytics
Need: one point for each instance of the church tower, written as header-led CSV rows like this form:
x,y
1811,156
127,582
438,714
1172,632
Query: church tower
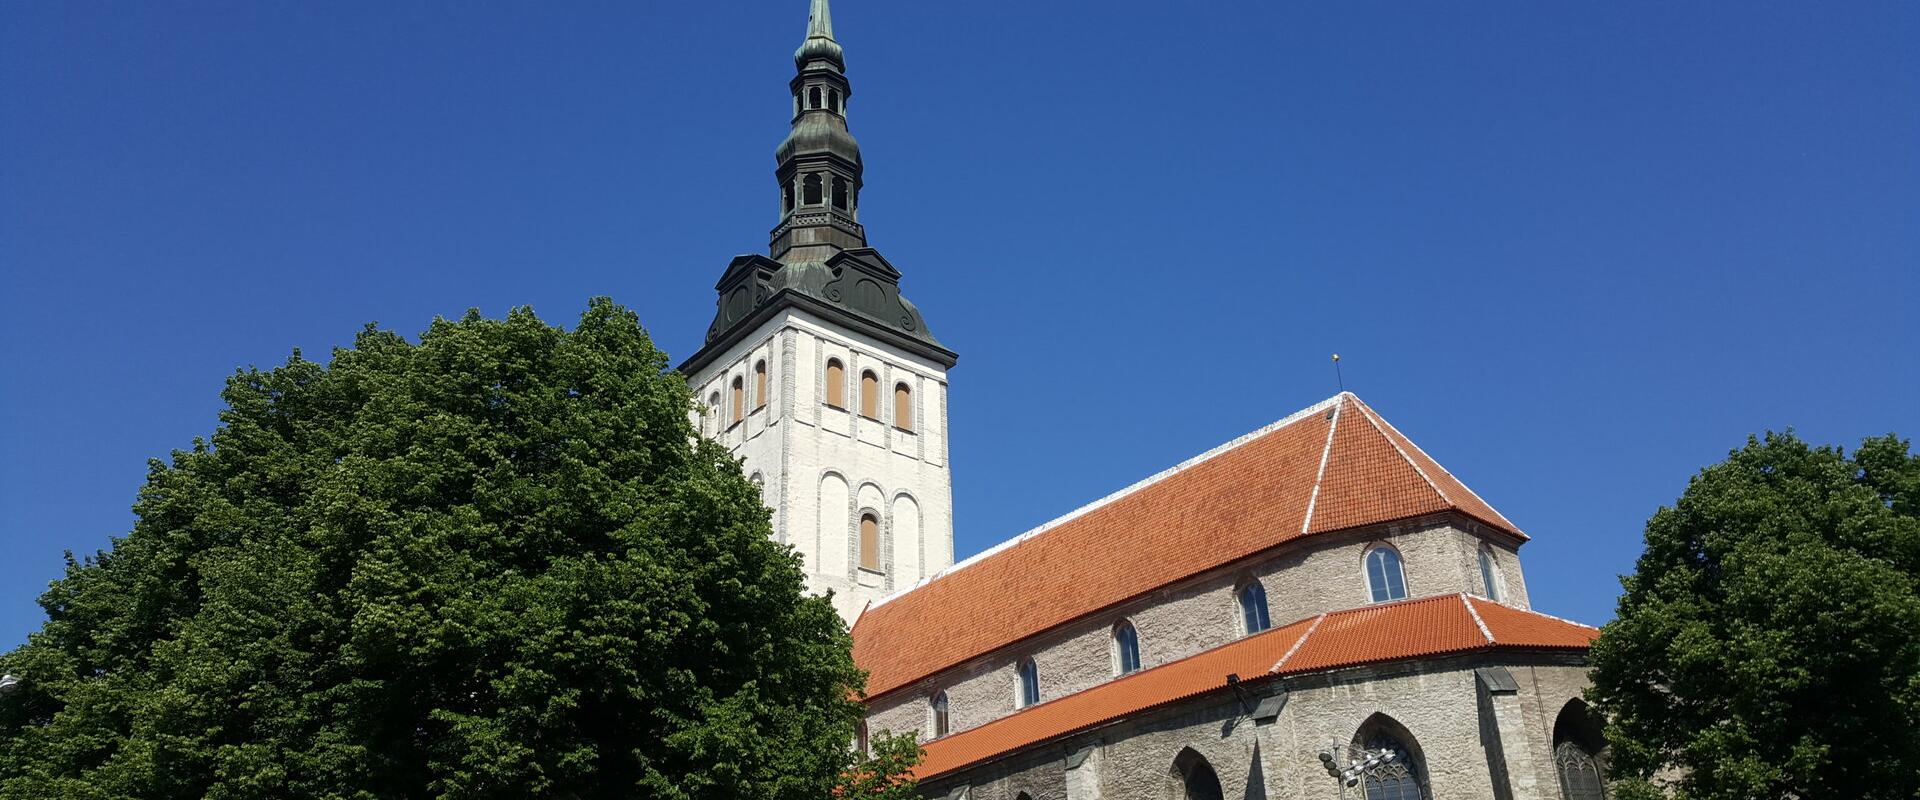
x,y
821,376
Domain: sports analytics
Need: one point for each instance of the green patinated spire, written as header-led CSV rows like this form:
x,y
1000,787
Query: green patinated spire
x,y
820,43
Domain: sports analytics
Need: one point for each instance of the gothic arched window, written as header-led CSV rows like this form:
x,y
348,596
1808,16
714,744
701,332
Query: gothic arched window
x,y
869,395
1578,753
839,193
1385,578
902,407
860,738
1027,692
1126,648
836,384
810,190
760,384
1253,608
1398,773
1489,573
870,541
937,708
1195,777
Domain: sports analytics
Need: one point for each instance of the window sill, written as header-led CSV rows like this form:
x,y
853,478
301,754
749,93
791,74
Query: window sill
x,y
871,571
907,431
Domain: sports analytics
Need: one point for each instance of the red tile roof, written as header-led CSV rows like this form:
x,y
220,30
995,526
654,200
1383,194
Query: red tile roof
x,y
1409,629
1333,466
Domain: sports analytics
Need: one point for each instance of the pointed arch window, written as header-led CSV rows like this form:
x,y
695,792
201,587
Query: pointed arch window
x,y
1490,573
1397,772
870,541
1579,753
1126,648
860,744
902,407
1253,608
739,398
840,193
760,384
1195,777
1386,580
836,384
937,708
810,190
869,395
1027,686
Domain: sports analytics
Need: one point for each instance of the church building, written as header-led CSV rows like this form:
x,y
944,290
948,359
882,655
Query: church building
x,y
1316,609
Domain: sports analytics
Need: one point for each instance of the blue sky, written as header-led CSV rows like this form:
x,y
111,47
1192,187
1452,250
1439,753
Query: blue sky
x,y
1576,251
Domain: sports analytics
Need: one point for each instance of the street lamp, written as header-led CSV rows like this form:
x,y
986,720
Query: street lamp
x,y
9,683
1356,763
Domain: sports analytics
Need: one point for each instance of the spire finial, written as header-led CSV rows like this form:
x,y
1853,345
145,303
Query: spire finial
x,y
819,43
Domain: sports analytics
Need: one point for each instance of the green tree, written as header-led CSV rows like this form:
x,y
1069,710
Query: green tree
x,y
1768,642
498,563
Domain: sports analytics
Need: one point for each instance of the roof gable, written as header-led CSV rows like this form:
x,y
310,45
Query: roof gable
x,y
1332,466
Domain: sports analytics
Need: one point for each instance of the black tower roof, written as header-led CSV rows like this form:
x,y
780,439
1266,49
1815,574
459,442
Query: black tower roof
x,y
818,258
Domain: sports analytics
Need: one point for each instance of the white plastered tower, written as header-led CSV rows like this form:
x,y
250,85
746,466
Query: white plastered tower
x,y
822,378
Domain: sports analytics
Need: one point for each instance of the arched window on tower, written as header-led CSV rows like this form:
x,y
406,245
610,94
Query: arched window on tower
x,y
833,100
1579,753
1126,648
1026,691
902,407
810,190
1385,578
759,384
1490,573
786,198
870,541
1253,608
840,193
937,709
869,395
836,385
813,97
739,398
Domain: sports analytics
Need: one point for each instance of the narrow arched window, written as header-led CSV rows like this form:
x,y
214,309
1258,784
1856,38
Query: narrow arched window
x,y
1027,692
870,542
869,395
937,708
760,384
810,190
902,407
839,193
1253,608
786,198
714,409
836,384
833,100
1385,579
739,398
860,744
1489,573
813,97
1126,648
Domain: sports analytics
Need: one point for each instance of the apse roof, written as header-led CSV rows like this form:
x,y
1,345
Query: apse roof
x,y
1333,466
1409,629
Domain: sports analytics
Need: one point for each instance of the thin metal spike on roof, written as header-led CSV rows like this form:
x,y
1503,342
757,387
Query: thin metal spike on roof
x,y
820,21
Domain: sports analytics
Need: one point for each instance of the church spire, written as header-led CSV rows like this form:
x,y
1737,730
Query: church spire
x,y
819,163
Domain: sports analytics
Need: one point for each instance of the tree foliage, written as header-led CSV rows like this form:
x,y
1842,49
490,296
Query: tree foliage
x,y
1768,643
498,563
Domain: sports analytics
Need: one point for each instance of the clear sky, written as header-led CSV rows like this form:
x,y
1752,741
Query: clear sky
x,y
1575,250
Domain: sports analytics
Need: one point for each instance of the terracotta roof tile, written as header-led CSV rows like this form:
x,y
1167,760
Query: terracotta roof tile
x,y
1397,631
1336,460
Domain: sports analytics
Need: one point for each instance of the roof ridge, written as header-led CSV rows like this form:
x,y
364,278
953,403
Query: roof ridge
x,y
1468,602
1374,420
1096,505
1301,642
1545,615
1326,454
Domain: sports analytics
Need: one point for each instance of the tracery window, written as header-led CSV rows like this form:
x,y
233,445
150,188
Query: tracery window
x,y
1385,578
1578,753
1253,608
1126,648
1399,776
1028,691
